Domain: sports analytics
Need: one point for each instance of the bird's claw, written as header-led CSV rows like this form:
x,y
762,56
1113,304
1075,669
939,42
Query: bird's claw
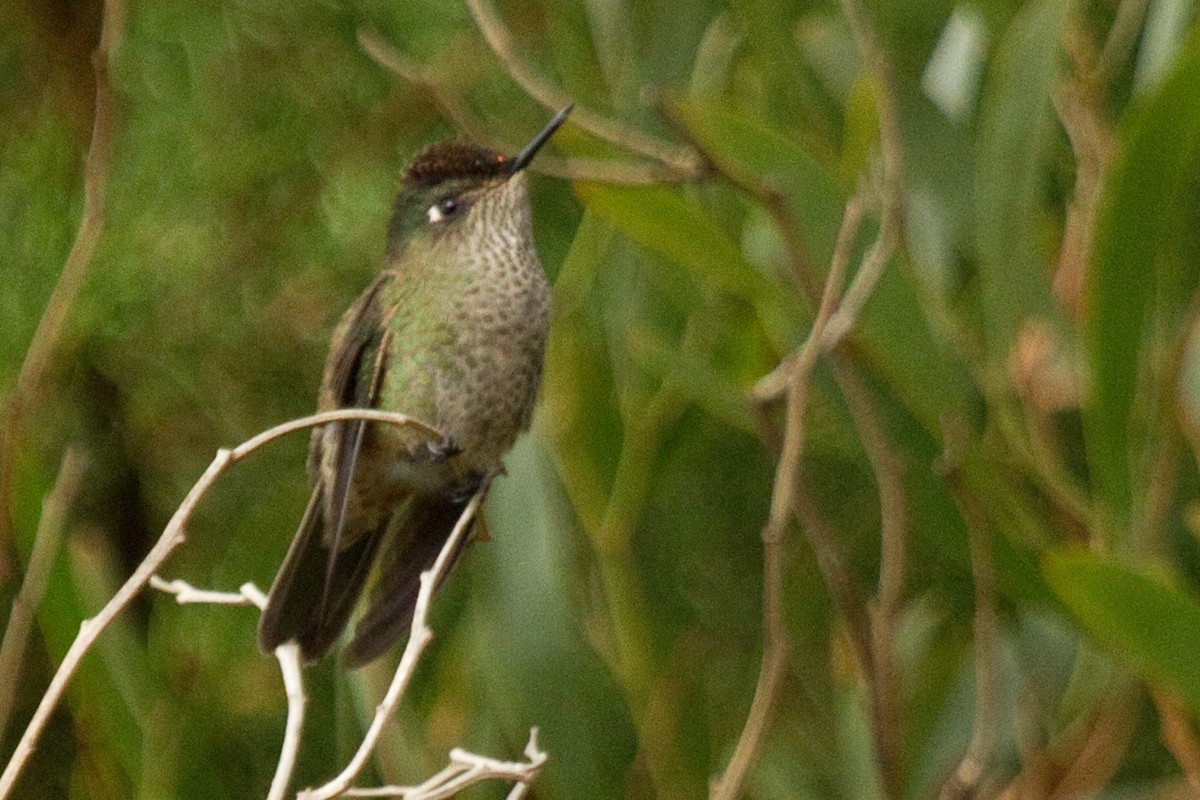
x,y
443,449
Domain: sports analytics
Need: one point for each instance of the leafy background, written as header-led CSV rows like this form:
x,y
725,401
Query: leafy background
x,y
1028,358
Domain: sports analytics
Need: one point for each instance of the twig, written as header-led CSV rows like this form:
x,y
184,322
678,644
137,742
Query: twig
x,y
293,684
574,169
172,537
823,540
289,666
1122,38
776,645
1179,736
791,377
969,773
418,639
185,593
891,151
683,161
37,574
466,769
49,329
888,468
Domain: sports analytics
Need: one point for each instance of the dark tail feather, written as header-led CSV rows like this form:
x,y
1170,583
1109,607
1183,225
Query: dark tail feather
x,y
413,549
297,608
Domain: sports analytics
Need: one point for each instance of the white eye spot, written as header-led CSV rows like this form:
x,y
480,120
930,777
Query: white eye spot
x,y
443,209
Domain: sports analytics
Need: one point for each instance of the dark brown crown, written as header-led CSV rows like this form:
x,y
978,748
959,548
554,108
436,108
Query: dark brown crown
x,y
454,160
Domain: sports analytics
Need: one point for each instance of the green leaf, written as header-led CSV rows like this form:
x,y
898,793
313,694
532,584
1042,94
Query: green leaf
x,y
892,327
539,666
1156,162
1015,132
1138,615
666,222
578,384
760,154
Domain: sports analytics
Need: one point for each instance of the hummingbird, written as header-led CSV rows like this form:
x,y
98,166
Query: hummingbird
x,y
452,332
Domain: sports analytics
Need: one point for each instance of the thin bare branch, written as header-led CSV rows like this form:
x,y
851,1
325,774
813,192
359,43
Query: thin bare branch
x,y
776,645
573,169
885,462
888,469
682,160
972,769
419,637
172,537
185,593
293,684
289,666
892,190
466,769
791,378
32,374
1179,735
46,544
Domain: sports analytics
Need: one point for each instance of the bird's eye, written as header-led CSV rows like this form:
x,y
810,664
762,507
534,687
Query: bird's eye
x,y
443,209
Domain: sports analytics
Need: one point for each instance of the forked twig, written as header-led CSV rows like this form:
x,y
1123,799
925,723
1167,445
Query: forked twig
x,y
776,646
46,543
572,169
465,768
682,160
418,638
172,537
49,329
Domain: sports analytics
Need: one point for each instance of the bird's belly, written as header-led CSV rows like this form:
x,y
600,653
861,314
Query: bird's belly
x,y
486,399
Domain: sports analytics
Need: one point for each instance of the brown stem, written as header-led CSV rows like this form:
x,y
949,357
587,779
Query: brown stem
x,y
971,770
172,537
32,375
37,575
888,468
1179,736
575,169
683,161
776,644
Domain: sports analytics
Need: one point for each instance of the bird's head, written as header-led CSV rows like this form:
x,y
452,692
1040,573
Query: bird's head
x,y
462,190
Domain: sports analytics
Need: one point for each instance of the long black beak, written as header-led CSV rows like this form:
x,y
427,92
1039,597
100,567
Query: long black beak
x,y
522,159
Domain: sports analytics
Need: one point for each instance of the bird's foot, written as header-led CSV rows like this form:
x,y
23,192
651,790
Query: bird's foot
x,y
443,449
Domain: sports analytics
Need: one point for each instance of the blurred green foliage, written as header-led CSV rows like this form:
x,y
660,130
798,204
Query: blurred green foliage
x,y
1029,352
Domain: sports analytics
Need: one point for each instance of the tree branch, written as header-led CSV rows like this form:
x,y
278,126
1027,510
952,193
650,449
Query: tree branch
x,y
776,645
46,336
572,169
37,574
418,639
683,161
465,769
172,537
